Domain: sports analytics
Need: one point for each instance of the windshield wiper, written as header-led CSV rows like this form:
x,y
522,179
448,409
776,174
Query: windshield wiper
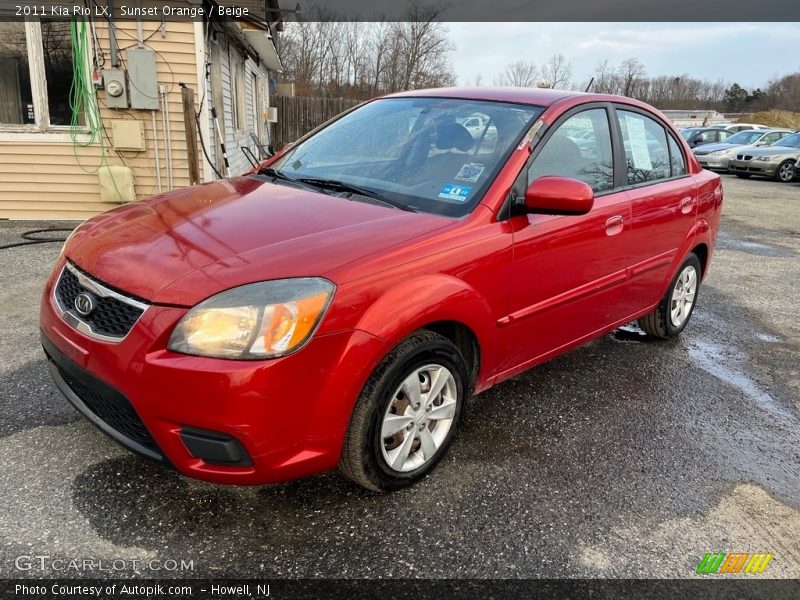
x,y
280,176
353,189
270,172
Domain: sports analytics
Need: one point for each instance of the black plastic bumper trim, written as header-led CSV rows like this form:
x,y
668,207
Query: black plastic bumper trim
x,y
214,447
58,361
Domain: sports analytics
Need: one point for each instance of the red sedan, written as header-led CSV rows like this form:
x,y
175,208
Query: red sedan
x,y
340,303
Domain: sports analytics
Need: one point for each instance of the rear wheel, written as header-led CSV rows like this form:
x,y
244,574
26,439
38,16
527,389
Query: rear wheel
x,y
785,172
406,414
676,307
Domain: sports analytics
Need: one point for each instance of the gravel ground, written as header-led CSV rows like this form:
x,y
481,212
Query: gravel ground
x,y
624,458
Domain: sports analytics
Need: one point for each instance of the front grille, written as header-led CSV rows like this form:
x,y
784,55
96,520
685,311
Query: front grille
x,y
111,317
115,411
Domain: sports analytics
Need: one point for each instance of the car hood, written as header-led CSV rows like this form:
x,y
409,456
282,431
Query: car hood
x,y
707,148
775,151
186,245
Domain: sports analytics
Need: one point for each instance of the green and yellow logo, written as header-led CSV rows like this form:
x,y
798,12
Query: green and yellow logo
x,y
734,562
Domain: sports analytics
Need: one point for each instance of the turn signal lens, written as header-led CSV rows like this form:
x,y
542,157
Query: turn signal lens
x,y
260,320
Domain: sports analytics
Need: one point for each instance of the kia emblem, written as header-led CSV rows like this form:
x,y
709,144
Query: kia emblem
x,y
85,303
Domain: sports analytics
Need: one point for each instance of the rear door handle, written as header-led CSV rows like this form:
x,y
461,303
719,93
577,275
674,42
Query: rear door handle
x,y
614,225
687,204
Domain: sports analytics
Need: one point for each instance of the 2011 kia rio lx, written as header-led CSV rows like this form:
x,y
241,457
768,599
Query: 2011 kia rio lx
x,y
340,303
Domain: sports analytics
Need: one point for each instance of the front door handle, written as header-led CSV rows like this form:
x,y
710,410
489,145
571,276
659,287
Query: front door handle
x,y
614,225
687,204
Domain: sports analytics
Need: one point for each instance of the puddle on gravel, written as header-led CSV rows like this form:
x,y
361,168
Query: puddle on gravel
x,y
725,242
716,361
769,338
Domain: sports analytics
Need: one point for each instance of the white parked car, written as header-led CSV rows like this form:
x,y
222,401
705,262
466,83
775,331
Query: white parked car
x,y
735,127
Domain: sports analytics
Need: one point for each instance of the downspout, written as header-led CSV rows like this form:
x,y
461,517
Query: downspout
x,y
155,147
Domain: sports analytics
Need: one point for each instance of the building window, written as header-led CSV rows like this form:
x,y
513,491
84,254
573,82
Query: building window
x,y
36,71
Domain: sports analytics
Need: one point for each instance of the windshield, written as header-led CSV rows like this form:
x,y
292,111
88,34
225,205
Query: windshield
x,y
791,141
744,137
435,155
688,133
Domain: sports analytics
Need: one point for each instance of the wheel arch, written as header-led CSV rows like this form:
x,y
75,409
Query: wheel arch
x,y
701,250
465,340
440,303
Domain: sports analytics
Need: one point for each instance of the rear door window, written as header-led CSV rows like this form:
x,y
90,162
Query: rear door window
x,y
771,138
646,150
677,160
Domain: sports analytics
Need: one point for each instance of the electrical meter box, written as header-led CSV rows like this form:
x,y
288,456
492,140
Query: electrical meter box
x,y
114,82
142,79
128,134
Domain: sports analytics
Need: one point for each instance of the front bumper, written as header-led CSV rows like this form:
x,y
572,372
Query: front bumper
x,y
754,167
710,161
289,415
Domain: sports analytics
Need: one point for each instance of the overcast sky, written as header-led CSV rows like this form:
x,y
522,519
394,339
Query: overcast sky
x,y
747,53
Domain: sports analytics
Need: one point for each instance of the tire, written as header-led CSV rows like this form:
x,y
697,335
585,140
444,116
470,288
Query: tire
x,y
366,453
661,323
743,175
785,172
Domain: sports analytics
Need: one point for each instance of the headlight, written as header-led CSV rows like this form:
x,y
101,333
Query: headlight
x,y
255,321
721,153
768,158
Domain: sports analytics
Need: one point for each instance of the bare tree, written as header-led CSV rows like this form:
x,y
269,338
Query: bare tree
x,y
556,72
784,92
631,74
606,80
521,73
325,54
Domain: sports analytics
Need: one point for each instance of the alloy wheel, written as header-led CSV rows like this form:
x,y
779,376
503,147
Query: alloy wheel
x,y
683,295
418,418
786,172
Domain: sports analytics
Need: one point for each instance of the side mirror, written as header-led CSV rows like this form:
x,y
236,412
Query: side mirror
x,y
558,195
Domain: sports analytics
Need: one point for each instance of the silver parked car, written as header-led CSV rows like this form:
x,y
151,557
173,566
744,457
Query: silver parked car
x,y
716,156
775,161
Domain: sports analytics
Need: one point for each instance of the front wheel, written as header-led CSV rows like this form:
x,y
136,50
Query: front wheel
x,y
406,414
785,172
676,307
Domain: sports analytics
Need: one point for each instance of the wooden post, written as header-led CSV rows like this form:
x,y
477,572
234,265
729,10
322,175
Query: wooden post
x,y
187,95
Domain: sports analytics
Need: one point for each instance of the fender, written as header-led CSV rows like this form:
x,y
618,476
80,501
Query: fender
x,y
698,234
411,305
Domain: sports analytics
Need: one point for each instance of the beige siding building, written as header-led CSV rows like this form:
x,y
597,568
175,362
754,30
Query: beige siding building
x,y
51,170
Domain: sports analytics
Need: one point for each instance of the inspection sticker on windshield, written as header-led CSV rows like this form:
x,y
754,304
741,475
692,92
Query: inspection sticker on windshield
x,y
457,193
470,172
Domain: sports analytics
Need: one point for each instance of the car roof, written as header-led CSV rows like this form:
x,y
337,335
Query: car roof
x,y
536,96
544,97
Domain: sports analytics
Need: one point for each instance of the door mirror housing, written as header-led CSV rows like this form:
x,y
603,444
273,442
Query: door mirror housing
x,y
558,195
